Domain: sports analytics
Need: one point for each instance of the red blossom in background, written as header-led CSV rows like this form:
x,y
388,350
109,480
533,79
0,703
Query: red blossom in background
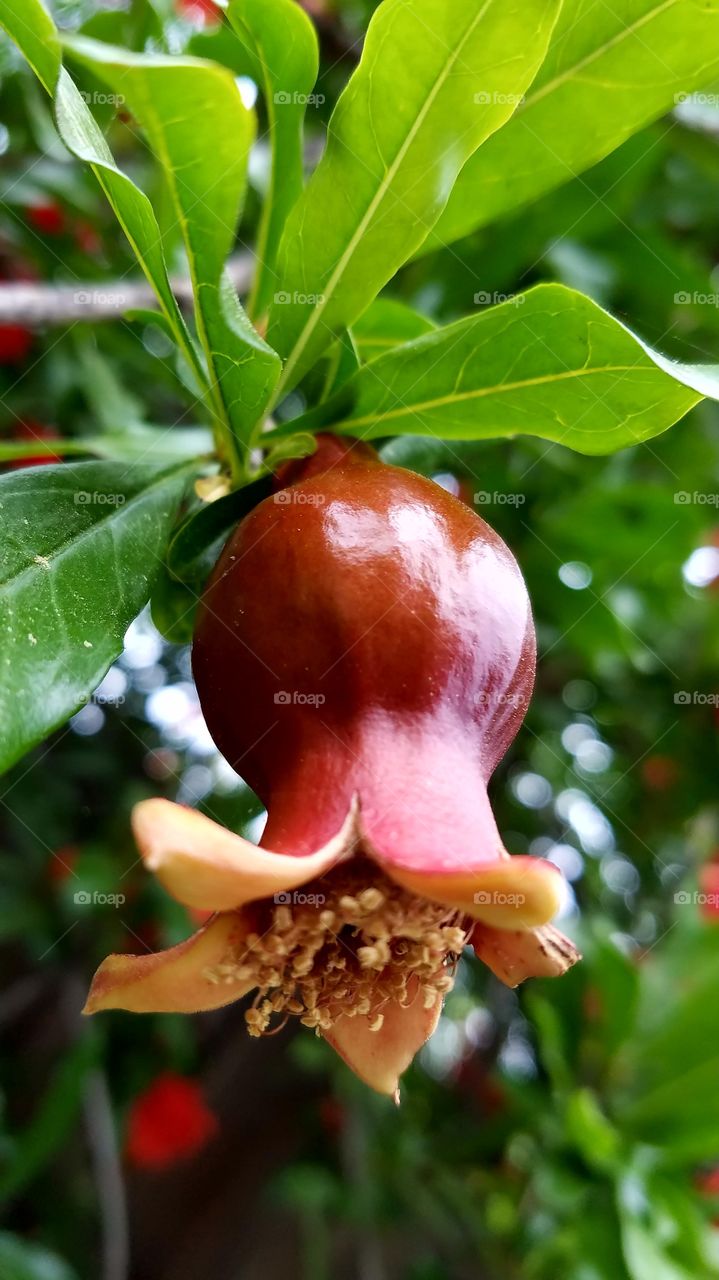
x,y
15,343
170,1121
47,218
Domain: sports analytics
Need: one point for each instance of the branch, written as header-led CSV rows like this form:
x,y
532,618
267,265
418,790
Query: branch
x,y
38,305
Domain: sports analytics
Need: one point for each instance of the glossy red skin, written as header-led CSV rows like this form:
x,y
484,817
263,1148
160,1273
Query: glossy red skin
x,y
374,588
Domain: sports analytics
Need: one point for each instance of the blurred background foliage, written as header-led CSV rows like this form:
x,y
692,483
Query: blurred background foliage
x,y
568,1129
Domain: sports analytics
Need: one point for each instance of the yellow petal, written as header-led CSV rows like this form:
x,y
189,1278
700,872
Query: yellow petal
x,y
513,893
173,981
207,867
380,1057
514,956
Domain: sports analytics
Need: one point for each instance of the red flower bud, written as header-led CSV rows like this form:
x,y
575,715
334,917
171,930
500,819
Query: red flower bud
x,y
364,656
170,1121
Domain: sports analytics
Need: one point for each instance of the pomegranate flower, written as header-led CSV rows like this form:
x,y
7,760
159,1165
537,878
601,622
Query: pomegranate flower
x,y
364,656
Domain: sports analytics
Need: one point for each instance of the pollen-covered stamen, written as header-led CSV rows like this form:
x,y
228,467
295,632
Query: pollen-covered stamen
x,y
347,945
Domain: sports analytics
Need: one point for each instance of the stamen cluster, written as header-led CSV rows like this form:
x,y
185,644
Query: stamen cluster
x,y
350,944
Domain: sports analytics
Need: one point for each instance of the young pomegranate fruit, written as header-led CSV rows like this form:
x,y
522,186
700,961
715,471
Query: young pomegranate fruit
x,y
364,655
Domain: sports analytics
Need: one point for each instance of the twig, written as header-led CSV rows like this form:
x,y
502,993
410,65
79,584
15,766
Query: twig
x,y
38,305
108,1177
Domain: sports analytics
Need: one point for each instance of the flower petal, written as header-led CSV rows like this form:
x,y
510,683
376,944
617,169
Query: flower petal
x,y
515,955
380,1057
209,868
512,893
172,981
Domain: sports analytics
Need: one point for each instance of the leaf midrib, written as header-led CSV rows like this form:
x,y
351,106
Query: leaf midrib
x,y
572,71
496,389
58,553
345,259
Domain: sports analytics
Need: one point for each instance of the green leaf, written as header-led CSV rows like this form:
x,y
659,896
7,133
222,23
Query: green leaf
x,y
32,28
22,1261
548,363
385,324
136,443
213,519
28,23
282,46
201,134
80,546
610,70
436,78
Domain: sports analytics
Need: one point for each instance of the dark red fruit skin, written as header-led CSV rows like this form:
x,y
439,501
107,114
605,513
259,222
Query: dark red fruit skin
x,y
375,589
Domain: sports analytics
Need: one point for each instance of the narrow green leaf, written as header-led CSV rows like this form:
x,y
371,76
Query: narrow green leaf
x,y
282,47
31,27
136,443
28,23
610,70
548,363
200,133
80,546
436,78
